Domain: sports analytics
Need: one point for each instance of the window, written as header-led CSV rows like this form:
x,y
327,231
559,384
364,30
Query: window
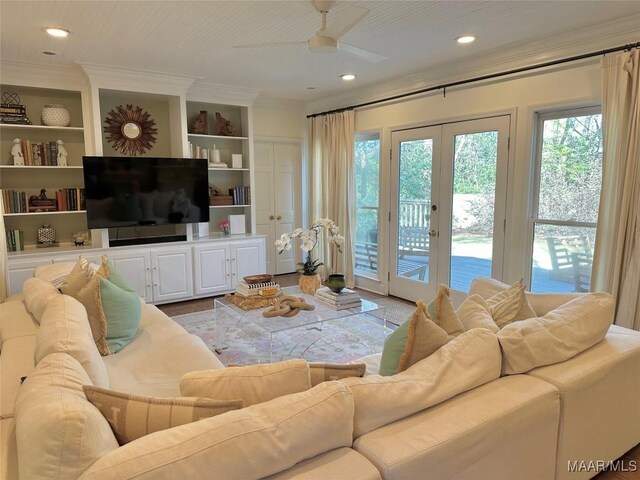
x,y
568,179
367,175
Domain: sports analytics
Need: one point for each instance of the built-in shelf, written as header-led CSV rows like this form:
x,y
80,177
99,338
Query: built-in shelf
x,y
227,206
68,167
24,214
222,137
42,127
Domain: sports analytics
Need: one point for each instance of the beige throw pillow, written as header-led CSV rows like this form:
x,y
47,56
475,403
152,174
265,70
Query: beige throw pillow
x,y
510,305
559,335
252,384
134,416
443,313
474,313
77,278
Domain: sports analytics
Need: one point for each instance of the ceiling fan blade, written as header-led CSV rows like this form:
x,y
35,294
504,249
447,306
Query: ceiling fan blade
x,y
274,44
344,21
361,53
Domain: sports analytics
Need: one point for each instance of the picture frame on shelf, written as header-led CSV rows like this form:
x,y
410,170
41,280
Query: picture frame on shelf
x,y
236,160
237,225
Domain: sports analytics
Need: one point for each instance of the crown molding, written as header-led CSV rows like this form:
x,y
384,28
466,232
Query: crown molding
x,y
598,37
275,103
116,78
42,75
216,93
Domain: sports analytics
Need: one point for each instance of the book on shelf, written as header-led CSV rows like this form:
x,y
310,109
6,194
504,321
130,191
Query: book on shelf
x,y
15,240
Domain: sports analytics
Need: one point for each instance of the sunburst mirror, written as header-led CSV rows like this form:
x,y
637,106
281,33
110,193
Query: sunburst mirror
x,y
130,131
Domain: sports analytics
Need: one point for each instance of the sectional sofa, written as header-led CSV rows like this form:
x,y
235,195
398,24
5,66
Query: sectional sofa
x,y
451,415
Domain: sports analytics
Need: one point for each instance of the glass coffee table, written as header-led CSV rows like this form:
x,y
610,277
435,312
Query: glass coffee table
x,y
323,334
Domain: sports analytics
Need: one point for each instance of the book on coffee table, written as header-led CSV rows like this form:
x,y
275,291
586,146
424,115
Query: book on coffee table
x,y
345,296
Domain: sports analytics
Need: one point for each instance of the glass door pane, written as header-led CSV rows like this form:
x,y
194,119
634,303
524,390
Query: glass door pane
x,y
473,207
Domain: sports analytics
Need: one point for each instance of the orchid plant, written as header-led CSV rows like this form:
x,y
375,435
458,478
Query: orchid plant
x,y
310,240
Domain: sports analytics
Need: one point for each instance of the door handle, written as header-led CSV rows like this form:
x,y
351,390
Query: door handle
x,y
271,217
433,232
278,217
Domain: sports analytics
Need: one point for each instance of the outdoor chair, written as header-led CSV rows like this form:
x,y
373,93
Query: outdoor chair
x,y
561,252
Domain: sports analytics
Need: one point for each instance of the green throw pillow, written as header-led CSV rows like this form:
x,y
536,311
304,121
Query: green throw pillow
x,y
122,313
393,349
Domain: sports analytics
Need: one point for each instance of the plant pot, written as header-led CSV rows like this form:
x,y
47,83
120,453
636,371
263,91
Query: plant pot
x,y
336,282
309,283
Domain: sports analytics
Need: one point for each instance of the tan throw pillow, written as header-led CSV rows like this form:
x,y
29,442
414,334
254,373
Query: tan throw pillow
x,y
326,372
510,305
475,313
415,339
77,278
443,314
251,384
134,416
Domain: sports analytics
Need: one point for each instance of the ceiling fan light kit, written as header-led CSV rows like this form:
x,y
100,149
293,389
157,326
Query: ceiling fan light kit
x,y
319,44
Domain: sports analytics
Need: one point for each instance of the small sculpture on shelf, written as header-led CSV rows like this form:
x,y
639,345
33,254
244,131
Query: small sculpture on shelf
x,y
16,152
62,154
79,238
224,126
199,125
40,203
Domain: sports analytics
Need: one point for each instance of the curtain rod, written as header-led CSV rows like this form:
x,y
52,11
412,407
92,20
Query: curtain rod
x,y
444,86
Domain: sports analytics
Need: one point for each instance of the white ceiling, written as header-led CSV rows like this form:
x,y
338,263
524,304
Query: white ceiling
x,y
196,38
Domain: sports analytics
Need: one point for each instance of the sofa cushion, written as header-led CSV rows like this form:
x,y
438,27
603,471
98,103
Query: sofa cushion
x,y
505,429
55,273
59,433
16,321
474,313
16,362
37,295
325,372
341,463
160,362
134,416
443,314
113,310
254,442
469,360
252,383
415,339
64,328
559,335
541,303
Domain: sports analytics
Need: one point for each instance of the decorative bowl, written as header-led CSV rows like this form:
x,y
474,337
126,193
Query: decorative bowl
x,y
262,278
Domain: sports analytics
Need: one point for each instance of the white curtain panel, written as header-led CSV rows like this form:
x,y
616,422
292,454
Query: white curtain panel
x,y
331,139
3,254
616,266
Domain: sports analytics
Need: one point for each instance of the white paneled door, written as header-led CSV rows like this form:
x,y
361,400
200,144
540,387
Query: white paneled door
x,y
277,167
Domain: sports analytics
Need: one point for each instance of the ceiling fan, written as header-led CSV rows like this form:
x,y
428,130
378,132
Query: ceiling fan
x,y
326,39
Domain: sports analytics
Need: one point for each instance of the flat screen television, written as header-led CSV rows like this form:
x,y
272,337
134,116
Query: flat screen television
x,y
134,191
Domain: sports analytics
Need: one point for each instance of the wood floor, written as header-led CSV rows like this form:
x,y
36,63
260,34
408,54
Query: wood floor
x,y
199,305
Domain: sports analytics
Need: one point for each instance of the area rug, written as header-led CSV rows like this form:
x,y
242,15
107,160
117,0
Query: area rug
x,y
395,311
340,340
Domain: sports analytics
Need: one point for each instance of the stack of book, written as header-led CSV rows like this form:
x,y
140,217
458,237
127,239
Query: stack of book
x,y
345,299
265,289
241,195
14,114
15,240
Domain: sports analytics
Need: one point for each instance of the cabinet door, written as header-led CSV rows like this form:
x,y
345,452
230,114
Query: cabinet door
x,y
19,272
172,274
135,267
247,258
212,269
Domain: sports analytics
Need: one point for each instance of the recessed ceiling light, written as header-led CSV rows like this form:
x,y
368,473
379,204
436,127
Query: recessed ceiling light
x,y
466,39
57,32
348,76
48,52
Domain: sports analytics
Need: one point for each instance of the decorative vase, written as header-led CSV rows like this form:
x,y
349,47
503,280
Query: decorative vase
x,y
336,282
56,116
46,234
309,283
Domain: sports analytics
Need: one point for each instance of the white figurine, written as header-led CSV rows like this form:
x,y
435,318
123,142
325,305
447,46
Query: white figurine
x,y
62,154
16,152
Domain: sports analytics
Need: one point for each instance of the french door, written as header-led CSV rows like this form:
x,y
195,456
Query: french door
x,y
448,206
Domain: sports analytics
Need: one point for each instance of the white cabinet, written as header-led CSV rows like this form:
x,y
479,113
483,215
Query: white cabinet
x,y
220,266
135,267
20,271
212,269
172,274
277,174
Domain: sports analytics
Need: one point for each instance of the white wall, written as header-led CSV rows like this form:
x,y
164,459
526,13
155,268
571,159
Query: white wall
x,y
521,96
278,122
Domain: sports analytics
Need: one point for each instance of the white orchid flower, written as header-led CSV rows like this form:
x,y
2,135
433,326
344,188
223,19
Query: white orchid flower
x,y
297,232
307,245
